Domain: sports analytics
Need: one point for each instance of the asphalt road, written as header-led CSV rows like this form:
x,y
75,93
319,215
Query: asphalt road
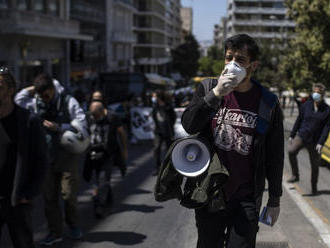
x,y
137,220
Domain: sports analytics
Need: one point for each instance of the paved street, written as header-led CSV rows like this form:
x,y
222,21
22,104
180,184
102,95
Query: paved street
x,y
137,220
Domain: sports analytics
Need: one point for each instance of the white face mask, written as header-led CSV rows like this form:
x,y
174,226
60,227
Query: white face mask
x,y
236,69
316,97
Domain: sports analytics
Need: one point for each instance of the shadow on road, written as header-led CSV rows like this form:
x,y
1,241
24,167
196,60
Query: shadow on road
x,y
121,238
138,208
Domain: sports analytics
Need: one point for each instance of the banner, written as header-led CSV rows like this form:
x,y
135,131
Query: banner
x,y
142,123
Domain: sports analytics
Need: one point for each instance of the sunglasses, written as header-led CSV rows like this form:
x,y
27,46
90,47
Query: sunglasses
x,y
4,70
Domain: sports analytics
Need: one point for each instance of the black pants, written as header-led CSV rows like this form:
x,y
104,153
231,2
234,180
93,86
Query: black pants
x,y
158,142
235,227
19,222
293,148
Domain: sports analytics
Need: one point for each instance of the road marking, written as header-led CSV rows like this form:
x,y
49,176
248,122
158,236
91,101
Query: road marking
x,y
313,214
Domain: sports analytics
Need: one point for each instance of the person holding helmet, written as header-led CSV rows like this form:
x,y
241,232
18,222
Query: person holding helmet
x,y
310,130
67,137
104,126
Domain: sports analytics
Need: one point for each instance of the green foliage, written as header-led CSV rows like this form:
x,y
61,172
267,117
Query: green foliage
x,y
308,58
213,64
185,57
205,65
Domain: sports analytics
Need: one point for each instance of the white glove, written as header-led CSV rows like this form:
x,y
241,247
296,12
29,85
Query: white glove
x,y
272,213
226,84
318,148
290,139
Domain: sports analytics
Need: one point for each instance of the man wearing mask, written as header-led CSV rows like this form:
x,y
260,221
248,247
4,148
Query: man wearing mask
x,y
105,127
58,110
310,131
23,163
243,122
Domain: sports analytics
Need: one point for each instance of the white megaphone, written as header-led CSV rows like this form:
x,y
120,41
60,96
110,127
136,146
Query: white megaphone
x,y
191,157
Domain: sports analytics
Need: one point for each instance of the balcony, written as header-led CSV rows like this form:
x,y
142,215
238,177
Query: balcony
x,y
126,4
267,35
152,61
123,37
150,29
259,10
36,24
267,23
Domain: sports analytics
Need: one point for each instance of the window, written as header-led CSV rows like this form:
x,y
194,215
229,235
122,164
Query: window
x,y
3,4
39,5
21,4
53,7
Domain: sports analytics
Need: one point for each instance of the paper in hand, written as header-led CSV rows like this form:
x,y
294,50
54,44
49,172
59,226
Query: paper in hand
x,y
267,220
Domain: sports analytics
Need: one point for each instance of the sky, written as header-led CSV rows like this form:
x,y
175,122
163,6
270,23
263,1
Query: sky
x,y
206,13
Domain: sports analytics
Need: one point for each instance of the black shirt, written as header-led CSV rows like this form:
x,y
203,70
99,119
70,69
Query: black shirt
x,y
7,171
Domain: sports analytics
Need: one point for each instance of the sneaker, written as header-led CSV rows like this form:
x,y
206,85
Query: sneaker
x,y
75,233
51,239
293,179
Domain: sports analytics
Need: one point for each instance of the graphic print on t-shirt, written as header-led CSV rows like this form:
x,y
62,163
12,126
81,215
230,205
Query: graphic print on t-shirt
x,y
99,134
233,130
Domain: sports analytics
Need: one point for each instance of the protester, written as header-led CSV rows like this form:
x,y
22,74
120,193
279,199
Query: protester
x,y
23,163
104,127
244,122
310,131
58,110
164,118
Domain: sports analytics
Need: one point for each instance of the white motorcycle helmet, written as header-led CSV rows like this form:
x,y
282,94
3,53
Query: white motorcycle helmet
x,y
75,142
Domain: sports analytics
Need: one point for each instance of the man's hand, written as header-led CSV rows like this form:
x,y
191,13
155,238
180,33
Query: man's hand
x,y
273,213
318,148
52,126
226,84
31,90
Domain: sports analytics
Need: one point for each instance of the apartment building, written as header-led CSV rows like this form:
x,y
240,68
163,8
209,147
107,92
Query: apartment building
x,y
157,25
220,33
187,21
261,19
35,38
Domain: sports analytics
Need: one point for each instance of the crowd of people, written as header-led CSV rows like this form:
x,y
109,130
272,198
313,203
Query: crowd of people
x,y
54,136
45,134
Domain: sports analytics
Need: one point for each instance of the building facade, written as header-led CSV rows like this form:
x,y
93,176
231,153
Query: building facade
x,y
35,38
157,25
121,35
220,32
110,23
261,19
187,21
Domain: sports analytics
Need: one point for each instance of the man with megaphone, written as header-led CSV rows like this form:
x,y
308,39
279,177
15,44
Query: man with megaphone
x,y
244,123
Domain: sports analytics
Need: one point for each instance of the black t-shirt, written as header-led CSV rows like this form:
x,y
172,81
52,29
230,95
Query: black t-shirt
x,y
7,171
104,133
234,130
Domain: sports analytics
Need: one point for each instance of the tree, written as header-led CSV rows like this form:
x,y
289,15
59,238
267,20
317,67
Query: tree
x,y
185,57
308,60
213,63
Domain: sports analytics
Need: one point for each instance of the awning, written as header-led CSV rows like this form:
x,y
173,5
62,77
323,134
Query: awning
x,y
155,78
